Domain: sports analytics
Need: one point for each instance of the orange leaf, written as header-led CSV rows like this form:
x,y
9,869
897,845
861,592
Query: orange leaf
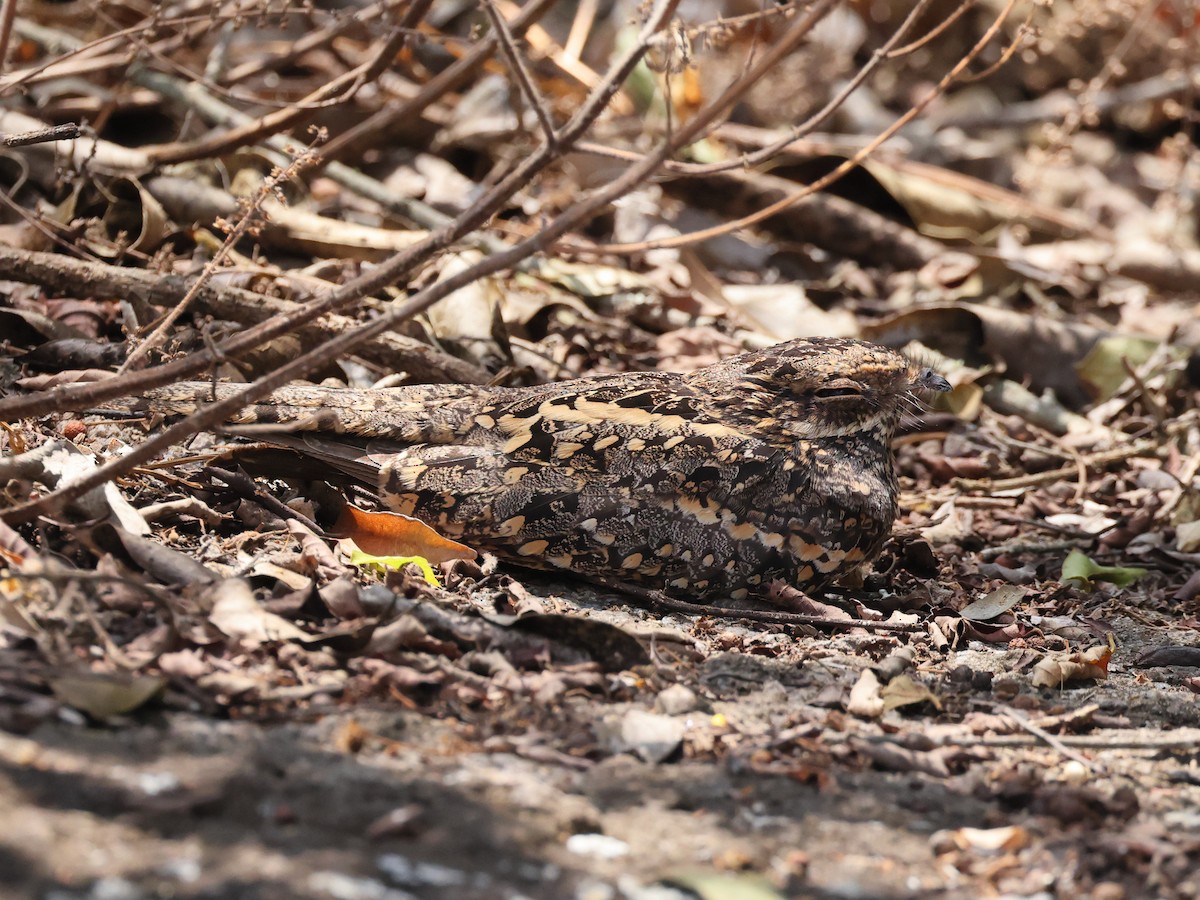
x,y
391,534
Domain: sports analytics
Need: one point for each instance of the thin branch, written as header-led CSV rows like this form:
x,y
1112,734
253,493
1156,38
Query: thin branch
x,y
840,97
441,84
312,41
8,12
61,273
337,91
217,412
79,58
66,132
248,220
74,397
517,66
853,162
796,132
933,33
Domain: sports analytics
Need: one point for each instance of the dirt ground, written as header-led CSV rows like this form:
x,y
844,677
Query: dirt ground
x,y
723,765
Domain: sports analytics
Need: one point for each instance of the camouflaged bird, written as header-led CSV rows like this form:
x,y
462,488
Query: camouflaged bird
x,y
706,485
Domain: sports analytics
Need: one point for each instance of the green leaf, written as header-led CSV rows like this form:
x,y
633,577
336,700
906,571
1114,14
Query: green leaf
x,y
386,563
1078,568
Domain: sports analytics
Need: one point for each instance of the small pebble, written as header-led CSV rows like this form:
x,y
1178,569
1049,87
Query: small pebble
x,y
676,700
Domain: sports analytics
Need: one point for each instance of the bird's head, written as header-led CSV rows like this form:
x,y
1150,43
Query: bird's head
x,y
812,388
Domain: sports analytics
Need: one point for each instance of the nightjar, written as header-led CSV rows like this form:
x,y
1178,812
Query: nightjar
x,y
707,485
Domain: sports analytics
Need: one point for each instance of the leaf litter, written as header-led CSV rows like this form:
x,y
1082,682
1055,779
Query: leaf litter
x,y
189,666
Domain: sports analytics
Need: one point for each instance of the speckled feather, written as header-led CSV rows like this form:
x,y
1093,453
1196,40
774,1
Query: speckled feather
x,y
772,464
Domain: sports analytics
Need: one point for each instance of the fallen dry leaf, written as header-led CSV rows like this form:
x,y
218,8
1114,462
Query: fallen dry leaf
x,y
1056,669
865,700
105,694
238,615
391,534
905,691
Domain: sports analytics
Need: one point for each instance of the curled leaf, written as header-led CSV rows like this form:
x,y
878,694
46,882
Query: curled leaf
x,y
1079,568
1056,669
384,563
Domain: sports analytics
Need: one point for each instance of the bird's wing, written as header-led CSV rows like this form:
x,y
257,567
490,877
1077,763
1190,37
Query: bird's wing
x,y
564,463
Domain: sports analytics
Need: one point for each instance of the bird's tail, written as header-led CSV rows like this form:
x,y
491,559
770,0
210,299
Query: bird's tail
x,y
410,414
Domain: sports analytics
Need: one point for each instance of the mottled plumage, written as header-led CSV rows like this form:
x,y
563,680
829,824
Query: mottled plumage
x,y
772,464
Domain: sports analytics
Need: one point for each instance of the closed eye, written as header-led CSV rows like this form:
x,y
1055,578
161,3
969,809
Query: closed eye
x,y
831,393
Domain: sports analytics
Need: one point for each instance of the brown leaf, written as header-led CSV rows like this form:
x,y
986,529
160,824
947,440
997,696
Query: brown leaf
x,y
1057,669
994,604
239,616
905,691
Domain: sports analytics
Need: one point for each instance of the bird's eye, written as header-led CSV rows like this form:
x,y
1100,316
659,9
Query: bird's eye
x,y
833,393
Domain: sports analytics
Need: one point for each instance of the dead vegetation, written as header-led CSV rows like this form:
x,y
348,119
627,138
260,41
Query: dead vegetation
x,y
202,695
